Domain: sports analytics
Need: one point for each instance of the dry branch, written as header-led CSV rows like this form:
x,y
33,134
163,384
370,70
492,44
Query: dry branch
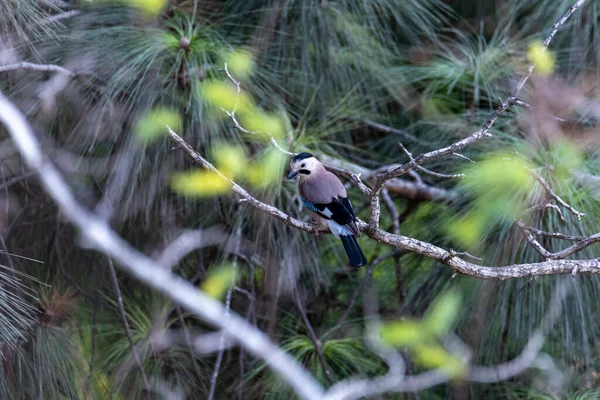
x,y
447,257
36,67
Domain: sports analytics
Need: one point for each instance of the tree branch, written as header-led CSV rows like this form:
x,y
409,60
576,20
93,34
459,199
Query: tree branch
x,y
36,67
556,197
582,243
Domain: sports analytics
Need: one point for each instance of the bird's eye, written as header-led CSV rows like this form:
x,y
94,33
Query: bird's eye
x,y
303,165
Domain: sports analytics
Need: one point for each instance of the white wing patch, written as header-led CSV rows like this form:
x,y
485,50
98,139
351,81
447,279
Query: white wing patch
x,y
338,229
327,212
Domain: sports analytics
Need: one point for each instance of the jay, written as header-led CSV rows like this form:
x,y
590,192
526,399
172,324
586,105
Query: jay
x,y
325,196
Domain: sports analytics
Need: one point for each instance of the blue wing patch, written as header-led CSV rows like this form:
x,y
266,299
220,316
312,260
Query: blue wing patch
x,y
309,205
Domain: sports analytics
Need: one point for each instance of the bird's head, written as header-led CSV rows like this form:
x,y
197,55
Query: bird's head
x,y
303,164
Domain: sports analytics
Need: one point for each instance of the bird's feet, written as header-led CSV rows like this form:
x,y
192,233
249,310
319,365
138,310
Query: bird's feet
x,y
316,226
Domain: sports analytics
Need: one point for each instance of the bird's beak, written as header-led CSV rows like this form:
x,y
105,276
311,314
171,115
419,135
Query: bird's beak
x,y
292,174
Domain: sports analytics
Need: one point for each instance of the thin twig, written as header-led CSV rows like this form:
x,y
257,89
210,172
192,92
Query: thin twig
x,y
389,203
134,352
464,157
427,171
556,197
553,235
547,41
318,345
231,115
444,151
581,244
189,344
215,374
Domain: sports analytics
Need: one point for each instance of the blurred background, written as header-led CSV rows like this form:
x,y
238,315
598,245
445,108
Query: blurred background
x,y
347,80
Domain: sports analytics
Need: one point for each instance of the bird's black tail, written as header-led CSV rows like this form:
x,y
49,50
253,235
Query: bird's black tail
x,y
355,254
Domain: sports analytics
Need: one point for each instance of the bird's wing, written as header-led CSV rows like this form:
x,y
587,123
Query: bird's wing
x,y
346,202
339,210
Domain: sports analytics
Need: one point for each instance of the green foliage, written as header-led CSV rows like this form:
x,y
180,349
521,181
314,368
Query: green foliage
x,y
154,124
440,316
219,280
542,59
344,357
422,337
200,183
499,185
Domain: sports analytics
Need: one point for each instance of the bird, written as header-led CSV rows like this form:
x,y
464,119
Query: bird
x,y
325,196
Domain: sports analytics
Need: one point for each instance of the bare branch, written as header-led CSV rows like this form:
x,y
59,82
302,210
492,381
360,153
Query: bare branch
x,y
134,352
523,104
231,115
553,31
189,241
36,67
215,374
410,190
388,129
464,157
313,338
556,197
582,243
554,235
389,204
427,171
452,149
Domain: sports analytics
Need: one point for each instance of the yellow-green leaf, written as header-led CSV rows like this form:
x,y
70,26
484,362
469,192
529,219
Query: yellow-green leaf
x,y
260,121
230,160
240,63
435,356
405,333
542,58
441,314
200,183
219,280
566,158
150,8
154,124
502,174
224,95
266,170
468,229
